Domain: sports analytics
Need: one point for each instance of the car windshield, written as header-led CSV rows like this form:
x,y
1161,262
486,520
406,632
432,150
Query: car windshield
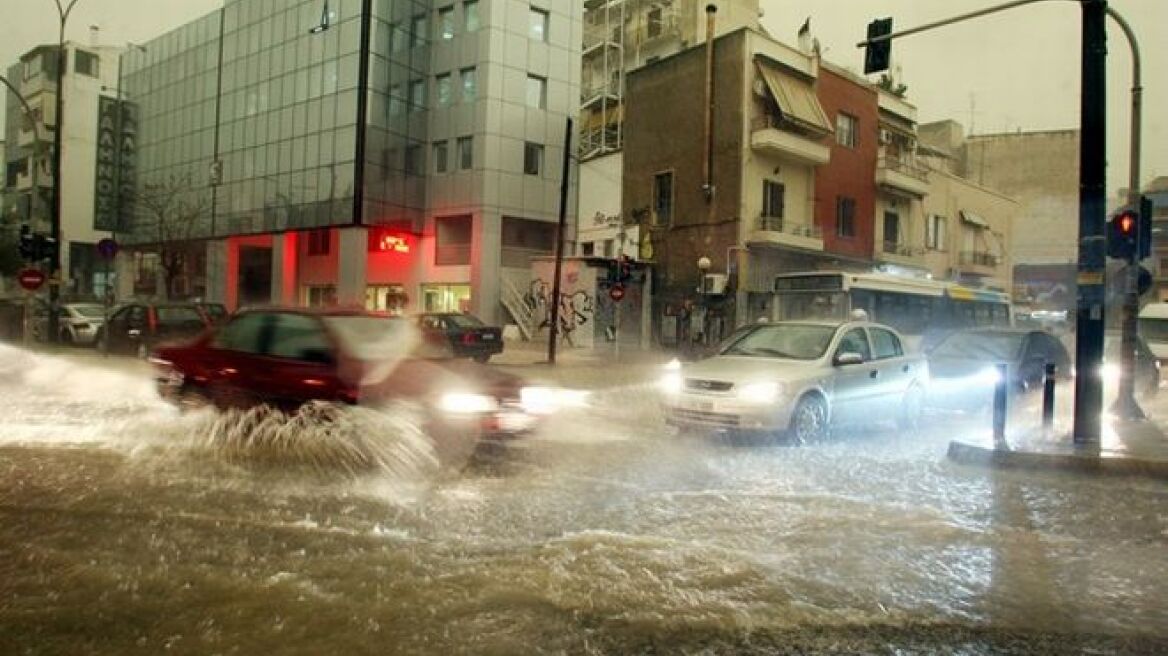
x,y
372,338
464,321
981,346
794,341
89,310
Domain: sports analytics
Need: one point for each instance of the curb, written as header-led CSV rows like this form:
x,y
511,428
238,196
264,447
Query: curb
x,y
970,454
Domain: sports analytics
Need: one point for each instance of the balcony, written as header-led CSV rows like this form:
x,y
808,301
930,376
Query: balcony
x,y
592,94
978,263
769,135
899,253
903,175
774,231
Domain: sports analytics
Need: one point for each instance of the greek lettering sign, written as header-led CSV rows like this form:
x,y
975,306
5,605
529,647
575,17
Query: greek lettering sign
x,y
117,154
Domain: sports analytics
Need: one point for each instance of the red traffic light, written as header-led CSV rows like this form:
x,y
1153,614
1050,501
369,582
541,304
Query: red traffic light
x,y
1127,223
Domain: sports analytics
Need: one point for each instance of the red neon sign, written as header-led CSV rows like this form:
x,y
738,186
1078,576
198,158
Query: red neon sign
x,y
387,243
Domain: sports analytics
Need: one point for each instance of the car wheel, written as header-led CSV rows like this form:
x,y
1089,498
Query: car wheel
x,y
482,359
809,421
912,409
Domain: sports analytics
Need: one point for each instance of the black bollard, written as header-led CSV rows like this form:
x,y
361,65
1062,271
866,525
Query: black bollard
x,y
1000,408
1048,396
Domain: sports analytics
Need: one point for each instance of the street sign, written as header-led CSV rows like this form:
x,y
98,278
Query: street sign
x,y
31,279
616,292
107,248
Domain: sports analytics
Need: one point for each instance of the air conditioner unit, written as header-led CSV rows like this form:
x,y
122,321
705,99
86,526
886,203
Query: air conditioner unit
x,y
714,283
885,136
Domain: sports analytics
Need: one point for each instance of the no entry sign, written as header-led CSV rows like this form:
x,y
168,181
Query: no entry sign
x,y
616,292
31,279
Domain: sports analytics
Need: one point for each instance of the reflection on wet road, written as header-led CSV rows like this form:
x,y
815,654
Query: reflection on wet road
x,y
125,528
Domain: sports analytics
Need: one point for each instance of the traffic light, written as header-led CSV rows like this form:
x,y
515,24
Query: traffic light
x,y
626,269
44,247
1123,235
1145,236
877,55
27,244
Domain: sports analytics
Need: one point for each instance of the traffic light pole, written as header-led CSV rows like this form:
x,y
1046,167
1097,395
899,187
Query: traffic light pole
x,y
58,139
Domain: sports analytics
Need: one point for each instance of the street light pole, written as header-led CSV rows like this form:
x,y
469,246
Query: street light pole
x,y
26,328
55,225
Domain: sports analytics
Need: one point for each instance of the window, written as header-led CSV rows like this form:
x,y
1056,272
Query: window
x,y
536,91
935,232
85,63
532,158
884,344
847,130
470,15
320,295
395,100
299,337
663,198
417,95
442,82
414,160
845,216
465,153
538,25
587,248
469,84
655,22
446,23
452,239
398,38
440,157
608,248
245,333
772,199
418,30
319,242
891,232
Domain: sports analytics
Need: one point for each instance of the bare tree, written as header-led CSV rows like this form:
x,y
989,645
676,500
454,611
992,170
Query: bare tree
x,y
168,215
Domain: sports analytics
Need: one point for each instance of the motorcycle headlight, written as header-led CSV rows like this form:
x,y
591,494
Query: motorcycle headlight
x,y
464,403
670,383
763,392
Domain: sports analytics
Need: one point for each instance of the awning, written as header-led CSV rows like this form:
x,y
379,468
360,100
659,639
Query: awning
x,y
974,219
796,98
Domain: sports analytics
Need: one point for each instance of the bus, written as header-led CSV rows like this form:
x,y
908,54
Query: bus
x,y
923,310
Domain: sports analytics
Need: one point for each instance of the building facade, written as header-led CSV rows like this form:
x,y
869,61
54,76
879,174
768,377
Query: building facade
x,y
401,155
90,73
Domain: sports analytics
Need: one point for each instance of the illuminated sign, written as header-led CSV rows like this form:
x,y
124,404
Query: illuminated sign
x,y
387,243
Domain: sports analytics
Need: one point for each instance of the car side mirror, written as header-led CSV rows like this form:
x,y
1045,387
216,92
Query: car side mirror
x,y
848,358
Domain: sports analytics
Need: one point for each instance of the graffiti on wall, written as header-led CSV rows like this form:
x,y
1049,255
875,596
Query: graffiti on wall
x,y
576,307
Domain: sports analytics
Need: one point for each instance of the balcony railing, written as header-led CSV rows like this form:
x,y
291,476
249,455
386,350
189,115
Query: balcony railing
x,y
777,224
904,250
904,165
979,258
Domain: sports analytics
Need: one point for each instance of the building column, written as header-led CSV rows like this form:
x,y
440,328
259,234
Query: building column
x,y
485,264
352,264
124,275
216,271
284,268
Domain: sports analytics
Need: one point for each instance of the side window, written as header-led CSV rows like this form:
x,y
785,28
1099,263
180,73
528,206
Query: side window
x,y
179,316
854,341
884,344
246,333
300,337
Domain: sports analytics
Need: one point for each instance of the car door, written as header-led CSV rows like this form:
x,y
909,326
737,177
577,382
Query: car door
x,y
127,329
853,383
895,370
232,357
177,322
300,361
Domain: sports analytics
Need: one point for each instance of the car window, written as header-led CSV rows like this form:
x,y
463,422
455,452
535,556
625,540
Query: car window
x,y
246,333
136,315
173,316
374,337
88,310
854,341
885,344
300,337
998,347
463,321
797,341
432,323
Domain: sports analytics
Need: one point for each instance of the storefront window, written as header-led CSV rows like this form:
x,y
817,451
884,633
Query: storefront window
x,y
446,298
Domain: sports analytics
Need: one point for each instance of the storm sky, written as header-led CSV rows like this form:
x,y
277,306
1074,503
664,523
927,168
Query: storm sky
x,y
1014,70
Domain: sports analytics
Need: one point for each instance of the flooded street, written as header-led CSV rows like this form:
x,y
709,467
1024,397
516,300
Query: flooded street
x,y
126,528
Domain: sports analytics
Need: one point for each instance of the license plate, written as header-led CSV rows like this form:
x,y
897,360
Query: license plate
x,y
488,337
700,406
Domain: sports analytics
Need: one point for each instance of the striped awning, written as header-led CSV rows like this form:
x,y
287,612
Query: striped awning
x,y
795,97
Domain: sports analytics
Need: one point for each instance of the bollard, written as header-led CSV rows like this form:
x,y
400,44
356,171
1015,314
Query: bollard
x,y
1048,396
1000,407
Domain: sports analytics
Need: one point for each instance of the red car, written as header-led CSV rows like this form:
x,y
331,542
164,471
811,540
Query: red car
x,y
288,357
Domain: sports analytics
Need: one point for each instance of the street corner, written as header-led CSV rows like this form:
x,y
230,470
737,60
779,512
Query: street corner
x,y
1042,452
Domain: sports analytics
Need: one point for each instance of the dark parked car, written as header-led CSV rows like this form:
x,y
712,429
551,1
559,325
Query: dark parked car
x,y
963,366
463,335
216,312
138,328
288,357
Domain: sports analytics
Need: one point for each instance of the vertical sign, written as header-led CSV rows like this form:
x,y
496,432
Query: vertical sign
x,y
116,170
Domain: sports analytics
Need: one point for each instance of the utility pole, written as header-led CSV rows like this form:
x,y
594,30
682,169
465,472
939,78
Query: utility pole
x,y
554,328
58,139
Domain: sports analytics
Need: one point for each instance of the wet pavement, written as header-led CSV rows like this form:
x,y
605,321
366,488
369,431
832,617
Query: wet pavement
x,y
126,528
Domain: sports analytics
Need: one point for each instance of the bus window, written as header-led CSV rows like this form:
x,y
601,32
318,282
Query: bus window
x,y
816,306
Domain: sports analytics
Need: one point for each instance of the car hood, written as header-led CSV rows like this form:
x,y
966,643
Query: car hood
x,y
1159,349
740,368
950,367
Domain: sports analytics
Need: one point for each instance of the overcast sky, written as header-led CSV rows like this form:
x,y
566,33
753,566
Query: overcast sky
x,y
1017,69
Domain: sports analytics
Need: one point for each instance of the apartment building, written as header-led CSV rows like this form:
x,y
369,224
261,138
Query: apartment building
x,y
399,155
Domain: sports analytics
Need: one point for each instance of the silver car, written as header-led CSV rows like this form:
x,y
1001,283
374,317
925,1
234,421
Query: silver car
x,y
78,323
800,377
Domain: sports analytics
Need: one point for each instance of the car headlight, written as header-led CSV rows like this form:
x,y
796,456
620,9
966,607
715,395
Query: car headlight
x,y
764,392
1110,372
670,383
673,365
546,400
988,376
466,403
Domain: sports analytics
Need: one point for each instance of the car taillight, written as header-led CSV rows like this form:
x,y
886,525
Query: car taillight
x,y
468,338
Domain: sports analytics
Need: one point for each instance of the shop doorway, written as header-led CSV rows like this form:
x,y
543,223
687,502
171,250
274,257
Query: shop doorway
x,y
255,275
446,298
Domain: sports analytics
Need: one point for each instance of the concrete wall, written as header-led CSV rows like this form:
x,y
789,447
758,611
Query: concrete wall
x,y
948,196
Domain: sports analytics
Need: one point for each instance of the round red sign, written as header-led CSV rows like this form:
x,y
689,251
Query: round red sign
x,y
31,279
616,292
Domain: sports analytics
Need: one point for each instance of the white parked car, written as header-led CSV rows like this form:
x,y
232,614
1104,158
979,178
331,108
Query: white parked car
x,y
802,378
78,323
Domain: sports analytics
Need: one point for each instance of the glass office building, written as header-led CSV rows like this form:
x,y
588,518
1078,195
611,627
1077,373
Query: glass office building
x,y
402,154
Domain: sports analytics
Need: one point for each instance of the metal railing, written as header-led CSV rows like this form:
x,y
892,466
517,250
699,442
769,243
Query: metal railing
x,y
907,166
979,258
777,224
515,303
898,248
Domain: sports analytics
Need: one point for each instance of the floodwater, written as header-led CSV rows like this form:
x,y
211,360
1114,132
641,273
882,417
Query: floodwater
x,y
127,528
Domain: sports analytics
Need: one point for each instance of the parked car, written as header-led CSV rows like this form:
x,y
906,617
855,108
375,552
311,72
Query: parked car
x,y
964,372
137,328
288,357
802,378
464,335
78,323
216,312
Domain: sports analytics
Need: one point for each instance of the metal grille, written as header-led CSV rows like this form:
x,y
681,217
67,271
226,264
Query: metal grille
x,y
709,418
707,385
